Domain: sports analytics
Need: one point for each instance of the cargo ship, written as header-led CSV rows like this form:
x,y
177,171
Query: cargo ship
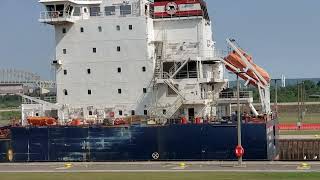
x,y
141,80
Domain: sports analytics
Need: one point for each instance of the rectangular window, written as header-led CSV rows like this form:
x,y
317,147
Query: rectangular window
x,y
100,29
119,70
65,92
119,91
164,112
64,30
133,113
144,90
60,9
94,50
89,92
90,113
143,69
95,11
118,48
145,112
82,29
64,51
65,72
118,28
130,27
76,11
89,71
125,10
120,113
110,10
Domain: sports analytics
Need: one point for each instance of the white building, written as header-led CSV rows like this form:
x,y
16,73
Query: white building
x,y
134,57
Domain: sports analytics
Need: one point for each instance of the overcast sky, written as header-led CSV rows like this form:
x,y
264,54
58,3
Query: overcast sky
x,y
282,35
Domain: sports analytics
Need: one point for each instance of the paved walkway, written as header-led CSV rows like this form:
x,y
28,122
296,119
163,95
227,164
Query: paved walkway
x,y
162,167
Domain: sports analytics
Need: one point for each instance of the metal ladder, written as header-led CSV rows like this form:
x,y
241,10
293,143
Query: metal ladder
x,y
159,54
175,69
174,108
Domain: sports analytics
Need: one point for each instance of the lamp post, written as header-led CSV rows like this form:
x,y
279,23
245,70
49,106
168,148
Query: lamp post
x,y
239,149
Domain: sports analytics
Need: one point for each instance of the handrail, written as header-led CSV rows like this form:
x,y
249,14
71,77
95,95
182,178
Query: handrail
x,y
54,14
233,94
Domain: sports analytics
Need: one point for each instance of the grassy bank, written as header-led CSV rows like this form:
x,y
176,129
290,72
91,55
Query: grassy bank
x,y
6,116
160,176
292,117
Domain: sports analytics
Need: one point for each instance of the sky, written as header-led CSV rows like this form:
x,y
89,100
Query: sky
x,y
282,35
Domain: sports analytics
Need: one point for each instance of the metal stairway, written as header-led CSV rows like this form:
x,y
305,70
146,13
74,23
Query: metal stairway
x,y
159,54
170,83
174,108
175,69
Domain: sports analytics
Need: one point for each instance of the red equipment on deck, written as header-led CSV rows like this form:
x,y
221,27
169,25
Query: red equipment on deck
x,y
42,121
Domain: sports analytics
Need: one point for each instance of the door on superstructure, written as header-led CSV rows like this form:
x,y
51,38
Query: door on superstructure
x,y
191,114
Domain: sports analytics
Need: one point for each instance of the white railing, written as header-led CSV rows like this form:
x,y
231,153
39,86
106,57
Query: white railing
x,y
233,94
122,13
53,15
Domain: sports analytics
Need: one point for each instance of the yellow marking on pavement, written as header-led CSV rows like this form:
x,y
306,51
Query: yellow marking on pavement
x,y
304,166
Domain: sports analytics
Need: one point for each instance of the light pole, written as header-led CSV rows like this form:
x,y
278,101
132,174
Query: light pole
x,y
239,148
239,118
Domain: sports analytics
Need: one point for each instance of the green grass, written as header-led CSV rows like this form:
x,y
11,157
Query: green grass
x,y
9,115
313,133
5,117
292,117
160,176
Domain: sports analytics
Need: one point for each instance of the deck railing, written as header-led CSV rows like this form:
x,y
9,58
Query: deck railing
x,y
54,15
233,94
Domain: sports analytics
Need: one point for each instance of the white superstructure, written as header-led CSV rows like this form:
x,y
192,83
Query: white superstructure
x,y
135,57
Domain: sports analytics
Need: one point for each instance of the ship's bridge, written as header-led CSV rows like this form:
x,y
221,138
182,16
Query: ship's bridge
x,y
67,11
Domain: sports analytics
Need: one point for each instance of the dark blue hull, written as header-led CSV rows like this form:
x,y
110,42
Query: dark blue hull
x,y
136,143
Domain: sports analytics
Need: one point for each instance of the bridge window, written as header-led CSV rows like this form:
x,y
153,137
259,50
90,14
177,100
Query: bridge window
x,y
95,11
60,9
65,92
110,10
65,72
125,10
76,11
